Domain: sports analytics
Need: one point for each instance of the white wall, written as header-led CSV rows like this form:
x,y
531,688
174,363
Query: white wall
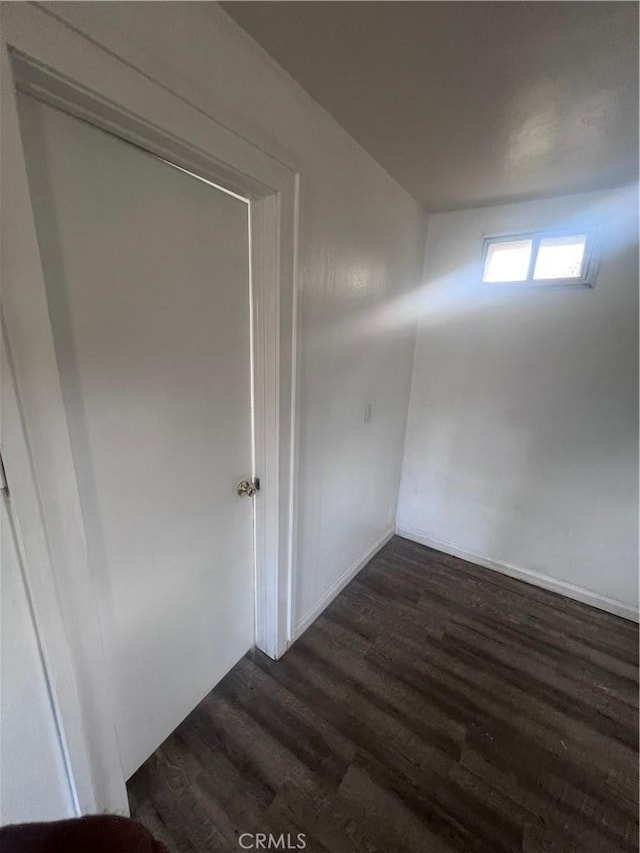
x,y
360,246
521,445
33,782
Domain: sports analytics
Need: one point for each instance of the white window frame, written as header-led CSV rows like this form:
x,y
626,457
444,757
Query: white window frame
x,y
586,279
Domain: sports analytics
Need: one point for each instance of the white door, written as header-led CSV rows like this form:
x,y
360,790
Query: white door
x,y
147,276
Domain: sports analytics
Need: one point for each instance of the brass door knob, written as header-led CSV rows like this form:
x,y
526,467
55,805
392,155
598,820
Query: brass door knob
x,y
246,488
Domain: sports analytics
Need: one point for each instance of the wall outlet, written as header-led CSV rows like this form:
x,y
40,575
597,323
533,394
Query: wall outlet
x,y
368,413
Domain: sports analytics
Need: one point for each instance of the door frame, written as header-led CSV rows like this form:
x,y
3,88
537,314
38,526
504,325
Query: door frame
x,y
49,60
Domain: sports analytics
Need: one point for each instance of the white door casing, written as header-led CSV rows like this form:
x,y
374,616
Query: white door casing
x,y
47,58
29,735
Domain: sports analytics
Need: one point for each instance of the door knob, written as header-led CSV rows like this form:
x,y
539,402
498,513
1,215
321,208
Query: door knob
x,y
247,488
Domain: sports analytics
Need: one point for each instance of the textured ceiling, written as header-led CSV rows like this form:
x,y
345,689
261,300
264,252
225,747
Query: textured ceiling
x,y
470,103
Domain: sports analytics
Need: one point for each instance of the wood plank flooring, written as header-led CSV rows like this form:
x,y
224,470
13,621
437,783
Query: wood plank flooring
x,y
435,706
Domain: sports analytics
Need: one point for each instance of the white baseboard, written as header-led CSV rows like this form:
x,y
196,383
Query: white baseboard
x,y
578,593
311,615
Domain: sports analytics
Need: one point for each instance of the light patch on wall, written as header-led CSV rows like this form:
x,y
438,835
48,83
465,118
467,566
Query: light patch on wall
x,y
452,294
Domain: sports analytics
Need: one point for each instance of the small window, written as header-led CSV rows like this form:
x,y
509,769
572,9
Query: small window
x,y
537,259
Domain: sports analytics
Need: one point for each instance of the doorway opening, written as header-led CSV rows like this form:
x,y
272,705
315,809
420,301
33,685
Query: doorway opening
x,y
194,144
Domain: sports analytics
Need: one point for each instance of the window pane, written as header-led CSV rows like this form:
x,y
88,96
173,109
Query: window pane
x,y
507,260
560,257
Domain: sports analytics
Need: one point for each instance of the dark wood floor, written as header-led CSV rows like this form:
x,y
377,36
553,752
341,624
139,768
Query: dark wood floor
x,y
435,706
